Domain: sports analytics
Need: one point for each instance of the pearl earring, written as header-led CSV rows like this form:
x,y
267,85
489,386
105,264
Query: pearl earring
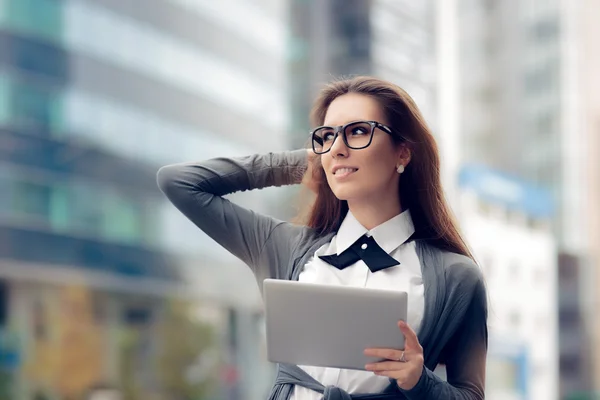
x,y
400,169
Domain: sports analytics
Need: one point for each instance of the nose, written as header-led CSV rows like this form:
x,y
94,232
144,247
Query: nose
x,y
339,148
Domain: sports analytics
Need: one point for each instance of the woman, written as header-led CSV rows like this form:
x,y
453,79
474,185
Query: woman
x,y
375,172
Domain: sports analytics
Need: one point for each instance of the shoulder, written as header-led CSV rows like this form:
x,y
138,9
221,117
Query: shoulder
x,y
465,279
461,273
449,264
460,266
455,270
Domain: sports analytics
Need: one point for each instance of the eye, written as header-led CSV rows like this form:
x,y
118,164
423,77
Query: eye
x,y
328,136
359,130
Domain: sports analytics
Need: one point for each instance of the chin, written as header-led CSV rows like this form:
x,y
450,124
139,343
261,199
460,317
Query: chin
x,y
347,190
344,194
341,197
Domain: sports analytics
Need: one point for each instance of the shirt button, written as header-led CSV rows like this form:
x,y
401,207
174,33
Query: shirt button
x,y
364,246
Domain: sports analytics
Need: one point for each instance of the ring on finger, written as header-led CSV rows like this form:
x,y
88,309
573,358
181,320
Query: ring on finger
x,y
402,357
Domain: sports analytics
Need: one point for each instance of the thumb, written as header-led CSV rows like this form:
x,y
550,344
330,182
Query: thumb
x,y
411,340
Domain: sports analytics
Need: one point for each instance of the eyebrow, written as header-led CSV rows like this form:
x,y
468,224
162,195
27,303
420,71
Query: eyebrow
x,y
349,122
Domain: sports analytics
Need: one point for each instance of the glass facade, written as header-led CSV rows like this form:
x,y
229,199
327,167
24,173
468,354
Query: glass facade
x,y
346,38
407,56
327,40
103,284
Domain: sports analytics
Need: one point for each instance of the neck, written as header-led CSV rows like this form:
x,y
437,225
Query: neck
x,y
371,214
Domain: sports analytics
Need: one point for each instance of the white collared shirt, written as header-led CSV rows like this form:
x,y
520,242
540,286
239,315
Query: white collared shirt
x,y
391,236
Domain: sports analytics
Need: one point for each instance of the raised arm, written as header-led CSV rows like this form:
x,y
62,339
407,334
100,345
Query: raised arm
x,y
262,242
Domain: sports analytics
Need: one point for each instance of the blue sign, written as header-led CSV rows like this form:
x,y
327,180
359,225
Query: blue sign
x,y
500,188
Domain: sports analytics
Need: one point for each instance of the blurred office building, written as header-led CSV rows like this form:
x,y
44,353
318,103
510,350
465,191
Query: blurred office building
x,y
390,39
103,284
507,223
403,50
527,104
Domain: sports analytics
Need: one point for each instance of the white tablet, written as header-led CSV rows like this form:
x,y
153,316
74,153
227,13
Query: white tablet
x,y
330,326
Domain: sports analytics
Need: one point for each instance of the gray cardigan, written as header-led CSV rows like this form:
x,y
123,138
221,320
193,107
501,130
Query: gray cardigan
x,y
454,327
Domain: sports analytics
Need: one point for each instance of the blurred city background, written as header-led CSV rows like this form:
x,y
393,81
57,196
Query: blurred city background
x,y
106,288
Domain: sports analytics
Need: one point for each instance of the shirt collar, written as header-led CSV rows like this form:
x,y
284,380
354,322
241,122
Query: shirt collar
x,y
388,235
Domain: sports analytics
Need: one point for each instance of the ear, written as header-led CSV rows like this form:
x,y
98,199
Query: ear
x,y
404,155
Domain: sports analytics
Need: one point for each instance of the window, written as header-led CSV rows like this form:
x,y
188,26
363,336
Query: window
x,y
570,364
85,209
4,298
31,198
549,172
514,271
545,29
59,208
515,319
91,209
137,316
568,270
30,107
569,317
487,94
38,17
4,99
353,32
40,320
123,220
101,212
35,108
39,58
5,193
542,78
489,5
546,124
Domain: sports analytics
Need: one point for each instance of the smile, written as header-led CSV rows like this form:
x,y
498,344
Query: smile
x,y
344,171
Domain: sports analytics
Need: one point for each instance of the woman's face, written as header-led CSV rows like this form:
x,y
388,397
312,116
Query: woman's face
x,y
364,175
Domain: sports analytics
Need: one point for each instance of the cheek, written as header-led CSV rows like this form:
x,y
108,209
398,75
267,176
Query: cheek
x,y
325,166
379,165
386,160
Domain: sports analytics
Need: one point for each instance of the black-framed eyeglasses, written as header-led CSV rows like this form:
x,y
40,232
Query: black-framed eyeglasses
x,y
357,135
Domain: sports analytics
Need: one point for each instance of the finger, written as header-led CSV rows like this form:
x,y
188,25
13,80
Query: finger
x,y
389,374
386,366
390,354
411,340
400,376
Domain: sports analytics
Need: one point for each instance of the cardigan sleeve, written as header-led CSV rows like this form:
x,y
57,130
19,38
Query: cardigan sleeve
x,y
262,242
465,355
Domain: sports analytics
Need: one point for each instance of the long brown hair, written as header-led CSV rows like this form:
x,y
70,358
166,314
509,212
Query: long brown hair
x,y
420,189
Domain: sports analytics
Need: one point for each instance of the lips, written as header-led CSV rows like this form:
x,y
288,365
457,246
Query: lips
x,y
343,171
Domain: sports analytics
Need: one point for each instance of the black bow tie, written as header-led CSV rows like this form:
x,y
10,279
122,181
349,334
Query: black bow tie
x,y
365,248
